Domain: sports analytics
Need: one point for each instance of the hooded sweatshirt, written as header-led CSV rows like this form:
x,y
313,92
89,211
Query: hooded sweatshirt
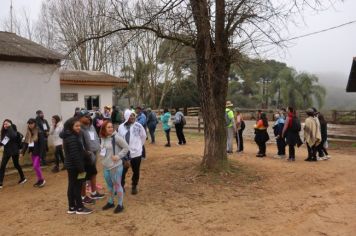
x,y
121,150
135,138
90,140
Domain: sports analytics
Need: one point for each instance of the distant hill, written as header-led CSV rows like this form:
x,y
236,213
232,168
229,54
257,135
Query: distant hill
x,y
337,98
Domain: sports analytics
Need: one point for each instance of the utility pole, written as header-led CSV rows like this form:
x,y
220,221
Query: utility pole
x,y
11,16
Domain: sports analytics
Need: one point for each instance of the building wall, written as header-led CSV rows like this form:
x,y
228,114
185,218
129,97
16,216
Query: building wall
x,y
26,88
68,107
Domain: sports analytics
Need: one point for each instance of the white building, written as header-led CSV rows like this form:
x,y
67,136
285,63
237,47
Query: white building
x,y
87,89
29,79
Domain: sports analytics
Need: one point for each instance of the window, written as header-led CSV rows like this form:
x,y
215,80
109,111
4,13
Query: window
x,y
92,101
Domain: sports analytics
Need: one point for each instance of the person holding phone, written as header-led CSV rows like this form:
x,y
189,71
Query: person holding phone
x,y
11,140
74,163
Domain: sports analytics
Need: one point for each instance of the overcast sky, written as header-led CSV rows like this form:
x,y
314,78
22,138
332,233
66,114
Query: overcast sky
x,y
327,52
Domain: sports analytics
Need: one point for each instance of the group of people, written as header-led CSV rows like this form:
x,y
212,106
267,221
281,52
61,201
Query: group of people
x,y
286,129
116,139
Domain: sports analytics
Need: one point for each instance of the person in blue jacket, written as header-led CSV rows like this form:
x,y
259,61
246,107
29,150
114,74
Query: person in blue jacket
x,y
278,129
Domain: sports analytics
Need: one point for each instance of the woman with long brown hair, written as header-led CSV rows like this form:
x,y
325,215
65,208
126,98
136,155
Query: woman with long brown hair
x,y
35,143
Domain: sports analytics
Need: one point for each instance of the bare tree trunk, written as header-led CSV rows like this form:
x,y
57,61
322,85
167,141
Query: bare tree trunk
x,y
213,65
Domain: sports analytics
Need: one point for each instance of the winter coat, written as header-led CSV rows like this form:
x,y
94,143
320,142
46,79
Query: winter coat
x,y
39,144
121,150
261,134
166,118
57,141
152,120
74,151
137,135
12,147
324,132
42,125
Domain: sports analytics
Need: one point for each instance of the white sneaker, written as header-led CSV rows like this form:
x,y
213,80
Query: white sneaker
x,y
320,159
282,156
277,156
328,157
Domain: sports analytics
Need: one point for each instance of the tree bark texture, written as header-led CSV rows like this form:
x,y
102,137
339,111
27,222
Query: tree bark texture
x,y
213,63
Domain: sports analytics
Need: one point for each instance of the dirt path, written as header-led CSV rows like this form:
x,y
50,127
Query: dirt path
x,y
257,197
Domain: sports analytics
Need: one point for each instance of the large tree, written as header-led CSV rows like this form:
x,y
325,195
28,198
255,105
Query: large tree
x,y
218,31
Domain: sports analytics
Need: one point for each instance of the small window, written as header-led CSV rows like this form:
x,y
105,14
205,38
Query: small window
x,y
92,101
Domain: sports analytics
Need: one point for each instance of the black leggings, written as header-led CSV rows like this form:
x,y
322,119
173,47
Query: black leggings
x,y
58,154
135,166
168,137
262,148
74,189
15,160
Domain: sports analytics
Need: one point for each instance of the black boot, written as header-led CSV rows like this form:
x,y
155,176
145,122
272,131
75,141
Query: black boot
x,y
134,190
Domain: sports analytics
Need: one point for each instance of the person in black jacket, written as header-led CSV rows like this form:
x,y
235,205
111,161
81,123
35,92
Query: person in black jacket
x,y
9,139
43,126
322,147
74,163
34,142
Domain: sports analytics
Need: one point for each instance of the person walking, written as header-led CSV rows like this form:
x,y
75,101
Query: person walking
x,y
278,133
261,135
107,113
152,122
142,119
43,126
166,123
35,143
113,149
91,143
322,147
74,163
240,127
135,135
11,140
56,129
179,122
230,126
291,130
312,134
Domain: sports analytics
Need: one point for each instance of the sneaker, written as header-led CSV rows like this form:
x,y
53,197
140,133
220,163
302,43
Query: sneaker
x,y
0,186
282,156
118,209
108,206
71,210
308,159
22,181
320,158
88,200
83,211
41,183
37,184
277,156
167,145
134,190
55,169
97,195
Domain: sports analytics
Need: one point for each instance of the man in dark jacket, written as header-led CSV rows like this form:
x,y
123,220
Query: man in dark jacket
x,y
44,127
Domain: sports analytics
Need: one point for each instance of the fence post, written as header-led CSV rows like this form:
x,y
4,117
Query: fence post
x,y
199,123
334,116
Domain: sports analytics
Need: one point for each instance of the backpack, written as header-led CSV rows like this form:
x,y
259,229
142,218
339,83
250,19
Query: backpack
x,y
19,139
227,119
183,121
296,126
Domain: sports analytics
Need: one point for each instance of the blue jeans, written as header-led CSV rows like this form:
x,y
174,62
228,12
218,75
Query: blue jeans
x,y
113,181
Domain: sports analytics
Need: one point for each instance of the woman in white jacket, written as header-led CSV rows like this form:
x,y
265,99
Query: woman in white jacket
x,y
135,135
113,150
56,129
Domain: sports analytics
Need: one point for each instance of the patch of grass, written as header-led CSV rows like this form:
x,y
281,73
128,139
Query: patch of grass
x,y
353,145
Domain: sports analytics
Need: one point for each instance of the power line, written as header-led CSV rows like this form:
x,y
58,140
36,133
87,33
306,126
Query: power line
x,y
319,31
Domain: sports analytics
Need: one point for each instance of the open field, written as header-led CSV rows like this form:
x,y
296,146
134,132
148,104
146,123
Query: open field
x,y
256,197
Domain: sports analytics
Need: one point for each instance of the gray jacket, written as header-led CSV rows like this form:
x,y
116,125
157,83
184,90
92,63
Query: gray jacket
x,y
90,140
121,150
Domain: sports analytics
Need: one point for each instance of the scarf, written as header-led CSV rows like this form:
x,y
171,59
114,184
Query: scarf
x,y
31,135
290,118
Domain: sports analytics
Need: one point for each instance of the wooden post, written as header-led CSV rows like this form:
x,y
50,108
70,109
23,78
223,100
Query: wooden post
x,y
199,123
334,116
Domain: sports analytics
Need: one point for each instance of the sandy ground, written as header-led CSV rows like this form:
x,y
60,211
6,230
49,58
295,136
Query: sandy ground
x,y
257,197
